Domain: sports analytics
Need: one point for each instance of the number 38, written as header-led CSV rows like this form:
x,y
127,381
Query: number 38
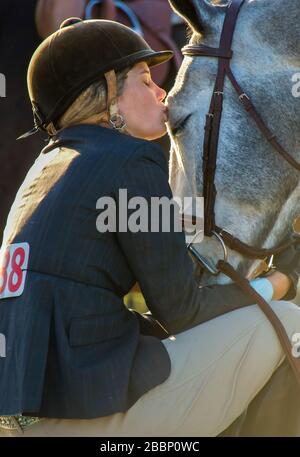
x,y
14,262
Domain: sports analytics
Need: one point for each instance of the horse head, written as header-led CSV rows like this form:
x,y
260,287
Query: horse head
x,y
258,192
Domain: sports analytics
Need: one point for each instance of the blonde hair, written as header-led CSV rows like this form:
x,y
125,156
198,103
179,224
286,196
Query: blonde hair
x,y
92,101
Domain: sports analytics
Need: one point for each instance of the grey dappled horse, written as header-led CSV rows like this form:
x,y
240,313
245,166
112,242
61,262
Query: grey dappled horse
x,y
258,193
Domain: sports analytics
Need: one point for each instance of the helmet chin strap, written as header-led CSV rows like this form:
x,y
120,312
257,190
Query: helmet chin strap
x,y
112,115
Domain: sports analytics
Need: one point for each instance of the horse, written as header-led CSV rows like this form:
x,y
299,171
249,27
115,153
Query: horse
x,y
258,192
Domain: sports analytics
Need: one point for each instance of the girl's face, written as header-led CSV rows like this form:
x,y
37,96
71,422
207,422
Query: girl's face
x,y
141,104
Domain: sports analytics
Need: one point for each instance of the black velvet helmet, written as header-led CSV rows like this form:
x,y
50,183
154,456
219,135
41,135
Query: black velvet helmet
x,y
77,55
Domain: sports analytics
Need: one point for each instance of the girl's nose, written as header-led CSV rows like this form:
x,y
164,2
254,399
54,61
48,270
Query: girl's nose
x,y
161,93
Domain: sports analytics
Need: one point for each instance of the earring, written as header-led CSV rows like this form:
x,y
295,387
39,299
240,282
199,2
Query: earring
x,y
118,122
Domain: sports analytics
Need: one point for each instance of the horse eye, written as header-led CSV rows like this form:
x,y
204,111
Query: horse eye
x,y
180,125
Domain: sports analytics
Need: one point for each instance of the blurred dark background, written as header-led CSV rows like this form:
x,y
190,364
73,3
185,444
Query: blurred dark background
x,y
18,40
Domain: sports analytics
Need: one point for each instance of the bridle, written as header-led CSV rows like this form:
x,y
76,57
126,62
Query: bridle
x,y
210,147
212,131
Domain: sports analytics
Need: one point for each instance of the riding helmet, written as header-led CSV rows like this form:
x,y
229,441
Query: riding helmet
x,y
77,55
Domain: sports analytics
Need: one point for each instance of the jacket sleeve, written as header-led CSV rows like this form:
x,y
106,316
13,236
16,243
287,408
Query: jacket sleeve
x,y
160,261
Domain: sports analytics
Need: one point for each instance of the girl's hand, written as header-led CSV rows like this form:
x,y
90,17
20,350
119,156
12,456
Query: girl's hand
x,y
281,284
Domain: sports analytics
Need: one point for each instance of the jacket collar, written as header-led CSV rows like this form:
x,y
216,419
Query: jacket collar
x,y
79,133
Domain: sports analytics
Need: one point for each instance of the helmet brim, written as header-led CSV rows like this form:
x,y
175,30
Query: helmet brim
x,y
159,57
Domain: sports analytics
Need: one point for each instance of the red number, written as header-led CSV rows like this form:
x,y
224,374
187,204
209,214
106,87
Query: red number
x,y
3,271
16,270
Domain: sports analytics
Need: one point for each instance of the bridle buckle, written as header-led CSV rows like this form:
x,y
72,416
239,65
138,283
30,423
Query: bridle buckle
x,y
243,95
